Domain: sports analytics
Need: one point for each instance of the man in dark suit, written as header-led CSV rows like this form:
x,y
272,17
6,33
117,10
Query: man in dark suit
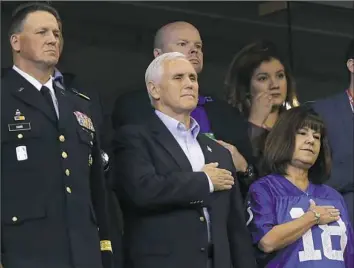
x,y
181,204
215,116
337,112
53,196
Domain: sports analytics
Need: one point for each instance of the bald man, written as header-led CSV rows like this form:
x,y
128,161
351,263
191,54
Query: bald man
x,y
181,37
216,118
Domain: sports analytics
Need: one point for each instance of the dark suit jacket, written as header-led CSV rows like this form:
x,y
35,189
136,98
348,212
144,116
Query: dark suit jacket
x,y
338,117
226,122
52,204
162,201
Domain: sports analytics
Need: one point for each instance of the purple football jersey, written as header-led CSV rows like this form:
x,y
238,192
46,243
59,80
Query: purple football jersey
x,y
274,200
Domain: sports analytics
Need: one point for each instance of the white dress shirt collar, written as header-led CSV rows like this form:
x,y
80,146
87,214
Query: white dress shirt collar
x,y
38,85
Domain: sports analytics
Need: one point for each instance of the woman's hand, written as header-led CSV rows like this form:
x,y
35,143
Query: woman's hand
x,y
261,106
328,214
239,161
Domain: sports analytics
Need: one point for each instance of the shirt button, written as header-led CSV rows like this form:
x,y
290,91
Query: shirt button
x,y
68,190
61,138
64,155
201,219
67,172
20,136
14,219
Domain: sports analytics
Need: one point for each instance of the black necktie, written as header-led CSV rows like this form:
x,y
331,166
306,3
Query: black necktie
x,y
46,94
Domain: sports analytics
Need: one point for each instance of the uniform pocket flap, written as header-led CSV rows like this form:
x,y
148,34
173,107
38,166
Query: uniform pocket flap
x,y
85,136
15,215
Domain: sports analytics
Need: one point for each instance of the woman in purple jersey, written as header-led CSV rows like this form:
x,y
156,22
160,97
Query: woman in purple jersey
x,y
296,220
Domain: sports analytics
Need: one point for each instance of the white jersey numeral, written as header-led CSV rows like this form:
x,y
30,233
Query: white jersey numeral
x,y
310,253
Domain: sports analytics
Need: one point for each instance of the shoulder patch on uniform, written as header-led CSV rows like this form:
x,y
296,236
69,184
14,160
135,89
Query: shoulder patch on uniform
x,y
80,94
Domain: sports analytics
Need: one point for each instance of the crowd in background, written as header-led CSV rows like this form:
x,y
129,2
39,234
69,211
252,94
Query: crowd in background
x,y
254,179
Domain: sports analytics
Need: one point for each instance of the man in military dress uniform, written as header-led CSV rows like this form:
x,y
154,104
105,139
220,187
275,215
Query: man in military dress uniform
x,y
54,210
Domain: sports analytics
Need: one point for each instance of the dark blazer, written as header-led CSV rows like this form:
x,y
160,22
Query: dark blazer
x,y
338,117
54,201
162,201
227,123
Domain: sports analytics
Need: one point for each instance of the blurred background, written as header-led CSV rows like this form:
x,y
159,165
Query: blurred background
x,y
108,45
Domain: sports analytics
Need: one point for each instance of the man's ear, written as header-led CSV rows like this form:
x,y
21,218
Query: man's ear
x,y
157,52
153,90
350,65
15,42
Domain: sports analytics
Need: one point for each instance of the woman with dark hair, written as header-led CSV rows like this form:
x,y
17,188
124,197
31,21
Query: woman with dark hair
x,y
295,219
259,84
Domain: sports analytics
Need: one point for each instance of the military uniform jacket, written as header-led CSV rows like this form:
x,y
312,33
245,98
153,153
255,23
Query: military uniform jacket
x,y
53,200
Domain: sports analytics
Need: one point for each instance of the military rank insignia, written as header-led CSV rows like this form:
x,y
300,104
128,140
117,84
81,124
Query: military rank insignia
x,y
84,121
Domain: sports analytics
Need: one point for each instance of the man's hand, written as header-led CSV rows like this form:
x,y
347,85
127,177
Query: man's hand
x,y
239,161
221,178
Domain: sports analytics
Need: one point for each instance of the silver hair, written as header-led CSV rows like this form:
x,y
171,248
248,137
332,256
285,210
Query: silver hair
x,y
155,70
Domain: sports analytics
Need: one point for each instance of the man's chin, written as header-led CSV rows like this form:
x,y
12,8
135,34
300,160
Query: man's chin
x,y
197,67
50,62
190,108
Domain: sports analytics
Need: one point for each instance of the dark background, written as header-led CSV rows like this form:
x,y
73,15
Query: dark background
x,y
108,45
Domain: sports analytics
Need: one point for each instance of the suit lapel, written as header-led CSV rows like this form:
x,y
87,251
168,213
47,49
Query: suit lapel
x,y
166,139
207,150
27,93
343,107
210,157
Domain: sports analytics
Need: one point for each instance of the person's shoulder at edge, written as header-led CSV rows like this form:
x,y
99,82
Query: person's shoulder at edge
x,y
324,99
130,130
326,191
263,182
225,106
4,71
132,94
75,85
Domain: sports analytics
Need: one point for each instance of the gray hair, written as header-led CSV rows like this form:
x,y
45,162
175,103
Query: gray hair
x,y
155,70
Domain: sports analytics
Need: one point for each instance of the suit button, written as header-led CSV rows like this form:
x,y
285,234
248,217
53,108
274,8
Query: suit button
x,y
67,172
201,219
61,138
202,249
20,136
68,190
64,155
14,219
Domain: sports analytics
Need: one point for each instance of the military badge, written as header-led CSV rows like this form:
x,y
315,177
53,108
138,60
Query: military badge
x,y
90,160
19,116
84,121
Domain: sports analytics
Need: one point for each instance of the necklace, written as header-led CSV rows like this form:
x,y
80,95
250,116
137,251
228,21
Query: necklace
x,y
351,100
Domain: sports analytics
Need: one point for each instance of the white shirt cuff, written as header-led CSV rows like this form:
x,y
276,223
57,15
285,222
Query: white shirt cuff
x,y
211,186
